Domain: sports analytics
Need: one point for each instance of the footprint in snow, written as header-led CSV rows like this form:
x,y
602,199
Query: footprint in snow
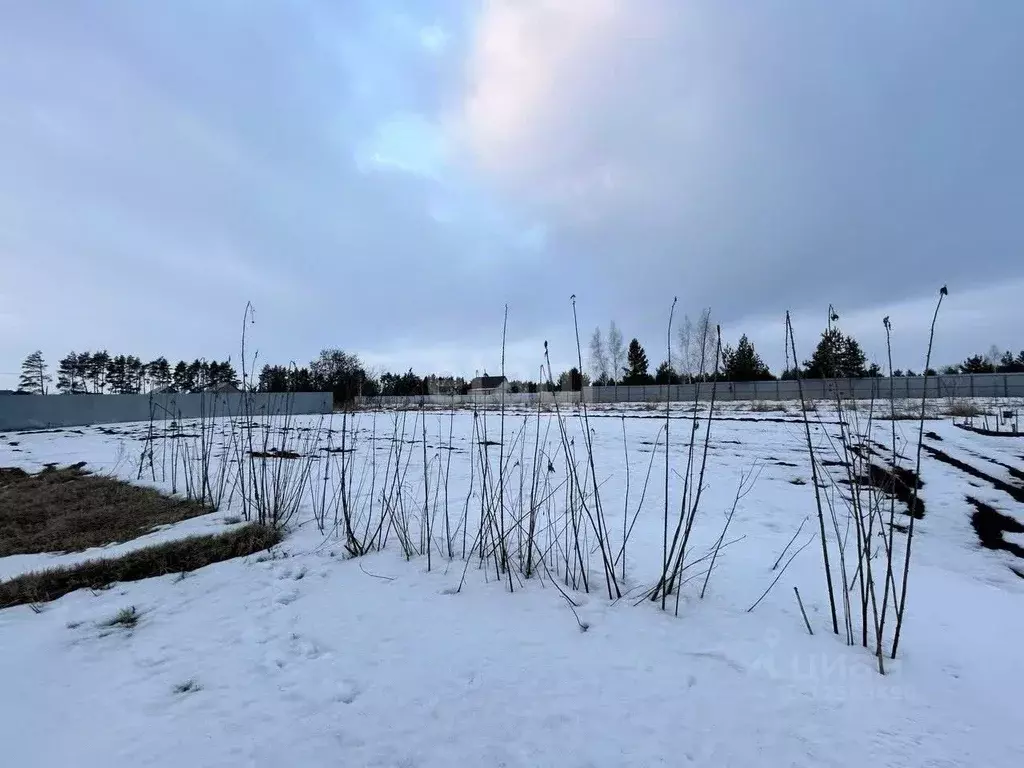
x,y
348,691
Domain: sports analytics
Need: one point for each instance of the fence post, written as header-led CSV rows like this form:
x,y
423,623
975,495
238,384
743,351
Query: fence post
x,y
972,384
1006,385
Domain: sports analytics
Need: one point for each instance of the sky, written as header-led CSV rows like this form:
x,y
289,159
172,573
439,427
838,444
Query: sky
x,y
385,177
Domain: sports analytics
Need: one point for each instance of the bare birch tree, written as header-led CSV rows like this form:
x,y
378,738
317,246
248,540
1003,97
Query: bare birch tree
x,y
598,357
696,346
616,352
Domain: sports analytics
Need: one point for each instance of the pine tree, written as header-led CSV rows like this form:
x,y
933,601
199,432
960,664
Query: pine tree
x,y
98,363
197,376
82,366
852,359
117,375
636,371
180,377
135,373
666,374
1010,364
743,363
837,356
34,378
273,378
159,373
70,378
976,364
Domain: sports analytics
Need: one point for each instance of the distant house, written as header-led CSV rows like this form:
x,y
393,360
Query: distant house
x,y
488,385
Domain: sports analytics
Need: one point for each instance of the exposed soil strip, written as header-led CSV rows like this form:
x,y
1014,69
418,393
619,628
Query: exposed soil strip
x,y
274,453
990,524
1015,473
179,556
898,482
988,432
1017,494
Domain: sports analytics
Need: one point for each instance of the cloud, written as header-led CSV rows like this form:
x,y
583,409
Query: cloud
x,y
757,158
386,176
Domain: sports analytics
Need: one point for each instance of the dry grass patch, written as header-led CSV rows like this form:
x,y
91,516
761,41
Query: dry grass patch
x,y
768,406
70,509
178,556
963,408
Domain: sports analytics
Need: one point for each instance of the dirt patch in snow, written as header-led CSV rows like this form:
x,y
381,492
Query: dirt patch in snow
x,y
990,524
71,509
1017,494
180,556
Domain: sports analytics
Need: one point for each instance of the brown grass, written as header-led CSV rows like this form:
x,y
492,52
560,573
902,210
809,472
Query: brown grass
x,y
768,406
173,557
70,509
964,408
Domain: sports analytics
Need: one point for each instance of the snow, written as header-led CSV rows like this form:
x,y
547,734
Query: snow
x,y
304,657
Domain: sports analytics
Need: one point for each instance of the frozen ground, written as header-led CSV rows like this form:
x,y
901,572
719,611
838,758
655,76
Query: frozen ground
x,y
304,657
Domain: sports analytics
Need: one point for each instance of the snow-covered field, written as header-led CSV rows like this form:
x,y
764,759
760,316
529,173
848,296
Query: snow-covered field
x,y
306,657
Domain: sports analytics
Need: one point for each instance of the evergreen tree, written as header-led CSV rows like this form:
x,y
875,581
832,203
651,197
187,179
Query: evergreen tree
x,y
301,380
98,362
82,366
405,385
572,380
159,373
117,375
743,363
1010,364
636,370
837,356
70,375
180,377
34,378
666,374
135,373
273,378
852,359
225,375
976,364
195,376
791,374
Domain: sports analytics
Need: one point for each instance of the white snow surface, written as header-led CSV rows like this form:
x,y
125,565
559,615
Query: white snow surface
x,y
304,657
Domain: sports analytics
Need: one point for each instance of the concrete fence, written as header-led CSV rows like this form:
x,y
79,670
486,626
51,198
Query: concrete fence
x,y
913,387
518,398
989,385
18,412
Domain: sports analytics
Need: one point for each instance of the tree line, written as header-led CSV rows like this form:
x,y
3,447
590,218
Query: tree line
x,y
101,373
612,361
343,374
695,358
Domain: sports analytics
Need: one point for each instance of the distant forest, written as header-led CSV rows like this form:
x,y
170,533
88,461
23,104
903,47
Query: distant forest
x,y
612,362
